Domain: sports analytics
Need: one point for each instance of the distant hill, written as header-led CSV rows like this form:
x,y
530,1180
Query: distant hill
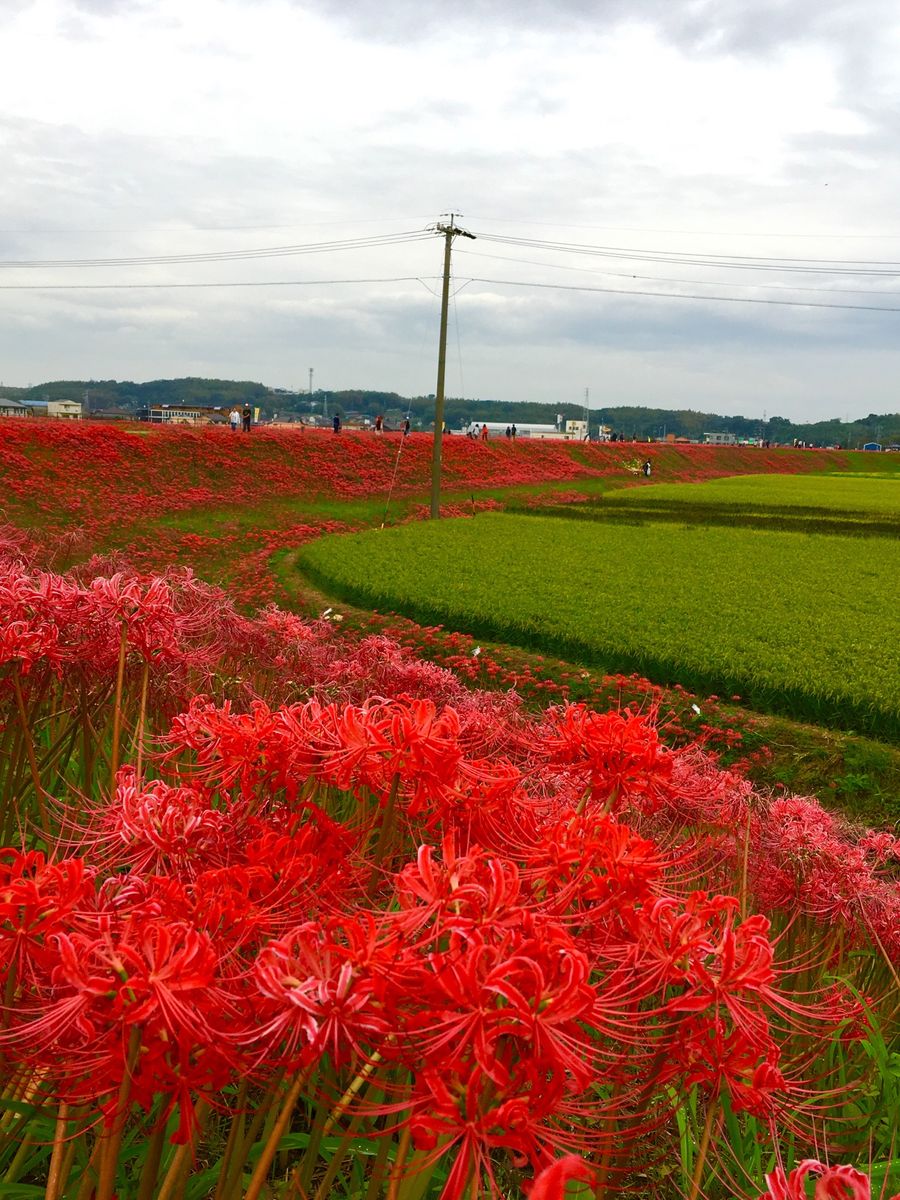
x,y
104,394
108,394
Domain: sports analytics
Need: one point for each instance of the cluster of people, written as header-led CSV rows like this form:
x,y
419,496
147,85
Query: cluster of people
x,y
476,431
511,432
242,419
379,426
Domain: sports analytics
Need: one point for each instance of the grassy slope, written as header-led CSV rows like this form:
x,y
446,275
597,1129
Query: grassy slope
x,y
58,473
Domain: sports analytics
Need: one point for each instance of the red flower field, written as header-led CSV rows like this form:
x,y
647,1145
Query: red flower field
x,y
291,911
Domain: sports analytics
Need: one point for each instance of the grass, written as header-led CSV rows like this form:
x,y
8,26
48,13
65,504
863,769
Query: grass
x,y
847,496
859,507
801,625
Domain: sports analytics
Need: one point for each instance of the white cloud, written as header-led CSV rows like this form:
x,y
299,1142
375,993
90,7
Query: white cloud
x,y
138,128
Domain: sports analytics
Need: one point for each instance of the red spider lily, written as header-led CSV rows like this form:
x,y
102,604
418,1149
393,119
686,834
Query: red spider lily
x,y
33,607
521,994
324,982
831,1183
463,893
349,745
146,610
551,1183
21,643
141,972
147,984
482,786
465,1114
93,470
543,974
159,827
707,1052
879,846
619,754
764,1094
294,865
36,899
365,748
598,864
230,748
713,957
424,748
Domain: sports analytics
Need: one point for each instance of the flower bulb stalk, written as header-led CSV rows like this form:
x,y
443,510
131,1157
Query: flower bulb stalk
x,y
278,1131
54,1174
703,1150
117,709
28,742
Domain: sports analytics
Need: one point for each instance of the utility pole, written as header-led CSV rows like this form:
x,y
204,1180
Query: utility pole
x,y
587,413
450,232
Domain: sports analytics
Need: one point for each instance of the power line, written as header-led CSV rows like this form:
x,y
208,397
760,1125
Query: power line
x,y
572,287
263,283
698,232
684,258
373,242
788,287
506,221
807,265
235,283
169,229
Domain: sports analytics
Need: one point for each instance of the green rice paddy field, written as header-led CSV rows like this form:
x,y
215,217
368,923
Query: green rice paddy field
x,y
783,590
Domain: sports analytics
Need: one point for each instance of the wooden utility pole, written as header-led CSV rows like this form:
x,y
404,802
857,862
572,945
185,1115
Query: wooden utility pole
x,y
450,232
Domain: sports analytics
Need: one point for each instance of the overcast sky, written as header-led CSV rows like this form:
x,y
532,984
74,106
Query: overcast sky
x,y
636,130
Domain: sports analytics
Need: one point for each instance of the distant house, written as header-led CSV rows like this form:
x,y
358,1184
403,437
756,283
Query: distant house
x,y
15,408
719,439
872,446
58,410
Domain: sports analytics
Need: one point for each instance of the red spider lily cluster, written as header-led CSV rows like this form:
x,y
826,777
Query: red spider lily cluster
x,y
65,472
265,880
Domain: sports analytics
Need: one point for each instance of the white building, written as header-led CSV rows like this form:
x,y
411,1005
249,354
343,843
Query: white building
x,y
720,439
58,410
65,410
572,431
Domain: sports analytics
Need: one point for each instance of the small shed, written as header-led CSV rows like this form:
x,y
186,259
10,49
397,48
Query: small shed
x,y
872,446
15,408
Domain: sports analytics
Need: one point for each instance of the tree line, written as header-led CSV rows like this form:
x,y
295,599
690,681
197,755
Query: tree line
x,y
108,396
